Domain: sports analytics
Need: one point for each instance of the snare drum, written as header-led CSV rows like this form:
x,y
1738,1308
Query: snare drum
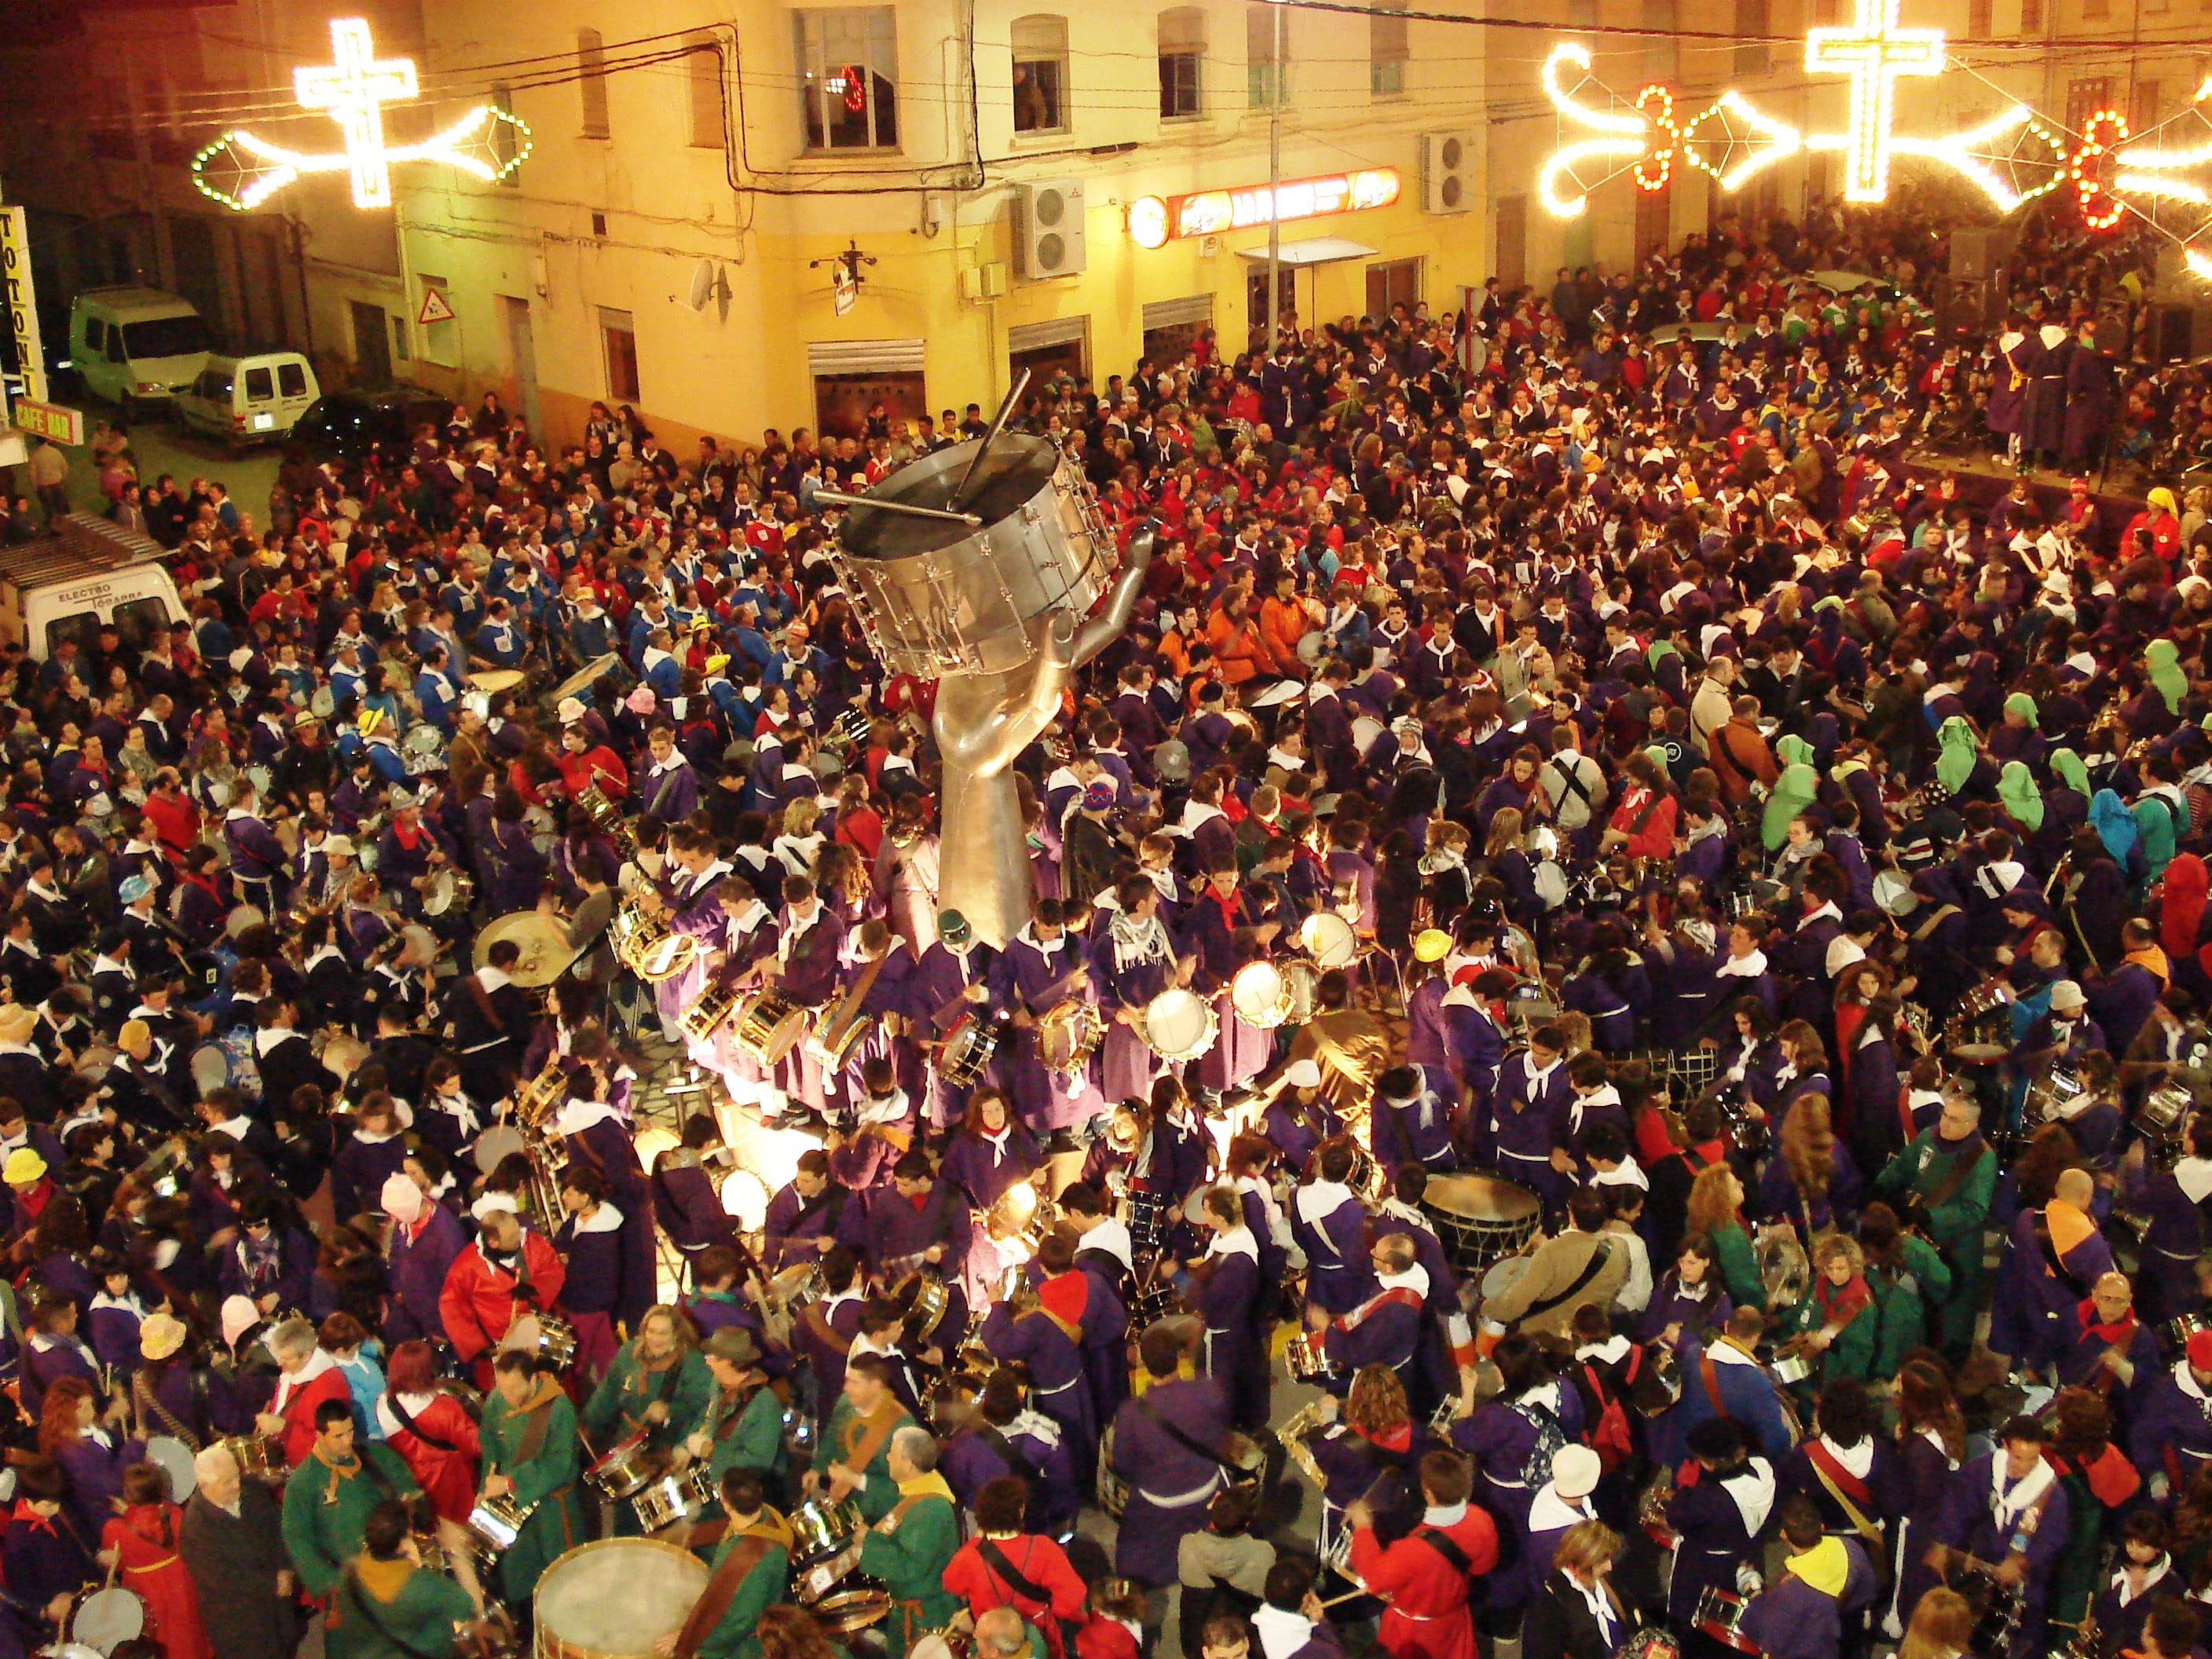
x,y
1307,1357
1303,980
1479,1219
1179,1025
495,1523
1069,1035
936,599
1789,1369
855,1608
968,1049
715,1007
256,1459
107,1619
448,892
770,1028
1144,1210
626,1468
822,1528
2164,1108
1328,940
926,1296
549,1337
1980,1032
1719,1612
1261,995
673,1499
2048,1093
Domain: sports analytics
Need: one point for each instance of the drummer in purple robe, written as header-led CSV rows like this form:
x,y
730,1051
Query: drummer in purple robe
x,y
878,980
1227,1296
1529,1118
596,1136
1298,1117
2056,1254
802,1224
1827,1582
748,938
1165,1442
1385,1327
1504,1432
668,789
1046,1333
1411,1121
1717,1517
919,1220
808,950
951,982
989,1156
1217,929
823,1333
1474,1039
1329,1221
1043,966
1135,960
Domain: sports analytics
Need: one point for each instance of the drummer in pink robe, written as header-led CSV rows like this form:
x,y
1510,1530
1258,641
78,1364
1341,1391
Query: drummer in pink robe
x,y
1217,930
905,873
1134,960
808,955
748,938
687,900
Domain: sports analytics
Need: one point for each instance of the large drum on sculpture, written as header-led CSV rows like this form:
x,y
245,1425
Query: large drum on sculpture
x,y
616,1598
938,597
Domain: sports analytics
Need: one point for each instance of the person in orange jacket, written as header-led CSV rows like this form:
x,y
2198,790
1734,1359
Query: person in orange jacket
x,y
1240,653
1285,619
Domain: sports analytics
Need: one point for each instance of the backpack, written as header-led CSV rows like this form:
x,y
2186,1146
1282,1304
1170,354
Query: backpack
x,y
1536,1466
1610,1435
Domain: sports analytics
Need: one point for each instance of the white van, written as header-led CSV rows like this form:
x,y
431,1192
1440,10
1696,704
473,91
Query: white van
x,y
135,345
249,400
89,574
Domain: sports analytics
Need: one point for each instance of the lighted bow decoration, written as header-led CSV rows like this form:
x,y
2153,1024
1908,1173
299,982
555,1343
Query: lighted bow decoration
x,y
2141,177
241,171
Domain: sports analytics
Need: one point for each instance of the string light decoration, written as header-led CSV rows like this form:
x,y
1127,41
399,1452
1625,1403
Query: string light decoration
x,y
1664,122
241,170
2087,186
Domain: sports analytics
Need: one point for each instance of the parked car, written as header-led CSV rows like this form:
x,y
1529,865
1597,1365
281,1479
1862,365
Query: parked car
x,y
250,400
347,425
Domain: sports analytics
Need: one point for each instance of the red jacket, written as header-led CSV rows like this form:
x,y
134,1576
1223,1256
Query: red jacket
x,y
1038,1559
478,1303
447,1473
299,1411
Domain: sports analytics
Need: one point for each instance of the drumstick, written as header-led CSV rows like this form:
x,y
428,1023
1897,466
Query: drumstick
x,y
838,498
990,436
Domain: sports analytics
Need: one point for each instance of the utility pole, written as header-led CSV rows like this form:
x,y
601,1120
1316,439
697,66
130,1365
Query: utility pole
x,y
1274,184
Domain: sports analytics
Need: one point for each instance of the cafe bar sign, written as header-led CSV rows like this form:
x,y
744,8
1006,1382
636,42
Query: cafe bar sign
x,y
1156,221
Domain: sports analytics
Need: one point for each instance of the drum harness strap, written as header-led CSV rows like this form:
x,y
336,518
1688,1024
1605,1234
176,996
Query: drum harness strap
x,y
825,1332
995,1562
408,1423
1599,1258
721,1590
478,995
859,1449
1224,1464
1849,1491
148,1401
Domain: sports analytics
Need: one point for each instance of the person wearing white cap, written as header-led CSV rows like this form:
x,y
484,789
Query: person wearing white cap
x,y
1412,1119
410,850
1299,1117
420,1247
1564,1501
2063,1035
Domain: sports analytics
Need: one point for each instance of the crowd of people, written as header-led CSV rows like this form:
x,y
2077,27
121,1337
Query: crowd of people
x,y
1590,903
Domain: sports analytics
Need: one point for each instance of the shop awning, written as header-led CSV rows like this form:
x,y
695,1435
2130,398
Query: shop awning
x,y
1314,251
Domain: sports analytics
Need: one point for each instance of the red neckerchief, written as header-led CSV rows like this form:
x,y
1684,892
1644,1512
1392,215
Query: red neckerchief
x,y
921,1201
408,839
1397,1439
2112,1336
1840,1307
33,1202
1230,907
44,1523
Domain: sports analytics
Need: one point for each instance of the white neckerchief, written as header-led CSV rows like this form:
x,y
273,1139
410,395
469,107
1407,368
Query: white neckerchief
x,y
1601,1609
268,1036
1398,1210
749,918
1320,1200
317,1363
1196,815
1746,967
578,1116
1753,1489
1414,1279
1549,1513
1238,1241
2009,1503
605,1219
1137,942
1611,1352
1281,1632
694,885
1828,910
2194,1176
2156,1571
996,1143
795,929
1858,1459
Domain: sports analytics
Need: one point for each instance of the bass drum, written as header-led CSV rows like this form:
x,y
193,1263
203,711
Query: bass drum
x,y
616,1598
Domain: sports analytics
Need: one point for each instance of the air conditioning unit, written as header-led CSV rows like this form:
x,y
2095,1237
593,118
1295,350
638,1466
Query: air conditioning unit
x,y
1048,229
1448,181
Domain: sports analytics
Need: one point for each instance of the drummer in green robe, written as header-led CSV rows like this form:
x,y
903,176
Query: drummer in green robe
x,y
743,1428
852,1460
751,1573
387,1605
658,1387
914,1540
329,1497
530,1453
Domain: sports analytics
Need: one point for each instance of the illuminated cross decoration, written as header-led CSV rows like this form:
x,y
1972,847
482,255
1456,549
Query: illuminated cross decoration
x,y
1873,52
353,90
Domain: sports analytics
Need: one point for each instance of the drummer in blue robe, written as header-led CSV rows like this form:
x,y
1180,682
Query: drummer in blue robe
x,y
2056,1255
1165,1442
410,848
1474,1040
1411,1121
2009,1512
1717,1517
1329,1222
1219,929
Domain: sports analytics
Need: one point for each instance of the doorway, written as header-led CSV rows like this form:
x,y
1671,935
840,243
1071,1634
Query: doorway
x,y
372,344
841,402
1256,297
522,353
1395,283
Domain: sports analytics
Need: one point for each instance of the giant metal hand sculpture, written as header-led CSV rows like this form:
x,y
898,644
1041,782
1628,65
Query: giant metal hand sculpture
x,y
982,721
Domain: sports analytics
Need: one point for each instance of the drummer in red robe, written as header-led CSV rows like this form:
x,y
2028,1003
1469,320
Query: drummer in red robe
x,y
1422,1577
